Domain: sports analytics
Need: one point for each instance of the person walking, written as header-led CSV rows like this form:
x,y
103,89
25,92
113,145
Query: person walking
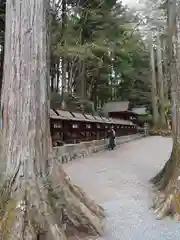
x,y
111,136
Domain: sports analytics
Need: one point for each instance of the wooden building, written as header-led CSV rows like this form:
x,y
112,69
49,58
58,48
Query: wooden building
x,y
119,110
74,127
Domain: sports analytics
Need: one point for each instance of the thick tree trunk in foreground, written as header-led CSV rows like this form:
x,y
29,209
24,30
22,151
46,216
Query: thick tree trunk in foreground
x,y
160,179
37,198
168,180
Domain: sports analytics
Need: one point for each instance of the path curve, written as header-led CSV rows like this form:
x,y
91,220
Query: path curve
x,y
118,180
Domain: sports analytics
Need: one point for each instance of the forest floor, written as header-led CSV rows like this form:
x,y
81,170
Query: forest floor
x,y
119,181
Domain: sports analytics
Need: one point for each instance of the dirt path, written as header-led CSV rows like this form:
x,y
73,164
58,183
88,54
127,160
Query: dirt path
x,y
118,180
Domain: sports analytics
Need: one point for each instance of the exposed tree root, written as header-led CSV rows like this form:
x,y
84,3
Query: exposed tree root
x,y
77,191
164,132
30,216
49,209
166,181
161,180
164,207
82,212
155,180
158,200
167,205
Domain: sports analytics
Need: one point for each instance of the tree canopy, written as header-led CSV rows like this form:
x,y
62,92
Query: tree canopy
x,y
97,52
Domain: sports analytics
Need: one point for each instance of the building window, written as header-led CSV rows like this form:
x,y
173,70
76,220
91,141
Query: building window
x,y
57,125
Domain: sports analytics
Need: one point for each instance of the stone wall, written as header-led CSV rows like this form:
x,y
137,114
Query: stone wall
x,y
69,152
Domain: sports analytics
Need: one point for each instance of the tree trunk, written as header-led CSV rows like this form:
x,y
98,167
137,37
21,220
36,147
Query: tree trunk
x,y
168,178
72,72
166,75
63,61
153,84
79,79
83,80
1,66
63,70
37,198
161,82
162,178
57,75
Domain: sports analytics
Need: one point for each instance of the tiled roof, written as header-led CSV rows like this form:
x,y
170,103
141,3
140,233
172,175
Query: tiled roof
x,y
116,106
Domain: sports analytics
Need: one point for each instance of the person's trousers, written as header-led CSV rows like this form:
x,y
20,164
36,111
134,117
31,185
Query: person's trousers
x,y
111,143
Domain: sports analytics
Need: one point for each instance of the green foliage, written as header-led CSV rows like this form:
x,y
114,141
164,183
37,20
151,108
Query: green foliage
x,y
101,37
101,47
72,103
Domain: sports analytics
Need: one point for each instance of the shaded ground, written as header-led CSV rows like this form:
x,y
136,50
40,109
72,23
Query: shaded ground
x,y
118,180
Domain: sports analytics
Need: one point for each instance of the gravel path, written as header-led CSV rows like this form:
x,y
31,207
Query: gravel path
x,y
118,180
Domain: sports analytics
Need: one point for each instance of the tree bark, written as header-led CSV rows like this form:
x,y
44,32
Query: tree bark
x,y
37,198
63,70
159,179
161,82
168,178
166,75
153,84
63,61
1,66
57,75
